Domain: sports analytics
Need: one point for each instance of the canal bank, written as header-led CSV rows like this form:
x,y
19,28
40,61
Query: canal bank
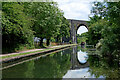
x,y
16,56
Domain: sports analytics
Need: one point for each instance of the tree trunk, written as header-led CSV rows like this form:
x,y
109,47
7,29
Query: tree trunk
x,y
57,39
41,42
48,42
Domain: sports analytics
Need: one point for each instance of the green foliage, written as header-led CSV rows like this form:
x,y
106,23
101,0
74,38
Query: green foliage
x,y
82,38
99,9
96,31
48,20
47,17
64,29
21,21
16,27
105,66
52,39
105,30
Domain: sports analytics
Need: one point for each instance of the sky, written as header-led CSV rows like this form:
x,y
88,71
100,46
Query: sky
x,y
82,56
82,29
80,73
76,9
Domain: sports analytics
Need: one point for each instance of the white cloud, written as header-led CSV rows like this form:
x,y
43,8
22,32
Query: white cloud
x,y
76,9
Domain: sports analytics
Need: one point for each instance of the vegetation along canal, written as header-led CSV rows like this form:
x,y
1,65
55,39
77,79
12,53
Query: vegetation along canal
x,y
74,62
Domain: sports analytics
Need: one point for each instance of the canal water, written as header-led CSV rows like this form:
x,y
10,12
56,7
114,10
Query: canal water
x,y
75,62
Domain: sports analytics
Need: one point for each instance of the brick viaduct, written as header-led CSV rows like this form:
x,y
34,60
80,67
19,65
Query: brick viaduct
x,y
74,25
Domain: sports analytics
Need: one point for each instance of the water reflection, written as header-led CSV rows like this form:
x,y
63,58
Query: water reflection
x,y
76,60
80,65
93,66
52,66
82,56
70,63
80,73
106,66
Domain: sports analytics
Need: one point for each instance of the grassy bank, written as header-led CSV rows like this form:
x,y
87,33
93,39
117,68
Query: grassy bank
x,y
43,50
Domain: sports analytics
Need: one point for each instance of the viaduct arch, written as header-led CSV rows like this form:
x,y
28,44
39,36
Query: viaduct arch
x,y
74,25
75,62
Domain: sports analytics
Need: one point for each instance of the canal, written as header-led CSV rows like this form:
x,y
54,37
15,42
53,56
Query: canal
x,y
75,62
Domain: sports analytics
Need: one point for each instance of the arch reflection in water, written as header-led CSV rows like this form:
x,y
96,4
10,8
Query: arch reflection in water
x,y
82,56
76,64
80,65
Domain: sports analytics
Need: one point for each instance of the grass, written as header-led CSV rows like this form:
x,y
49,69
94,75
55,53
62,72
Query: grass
x,y
19,54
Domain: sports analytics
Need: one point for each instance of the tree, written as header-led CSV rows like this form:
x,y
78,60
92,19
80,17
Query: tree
x,y
96,31
47,20
64,30
16,27
110,43
106,28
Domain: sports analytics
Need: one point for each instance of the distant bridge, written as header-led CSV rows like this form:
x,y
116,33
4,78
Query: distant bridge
x,y
74,25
